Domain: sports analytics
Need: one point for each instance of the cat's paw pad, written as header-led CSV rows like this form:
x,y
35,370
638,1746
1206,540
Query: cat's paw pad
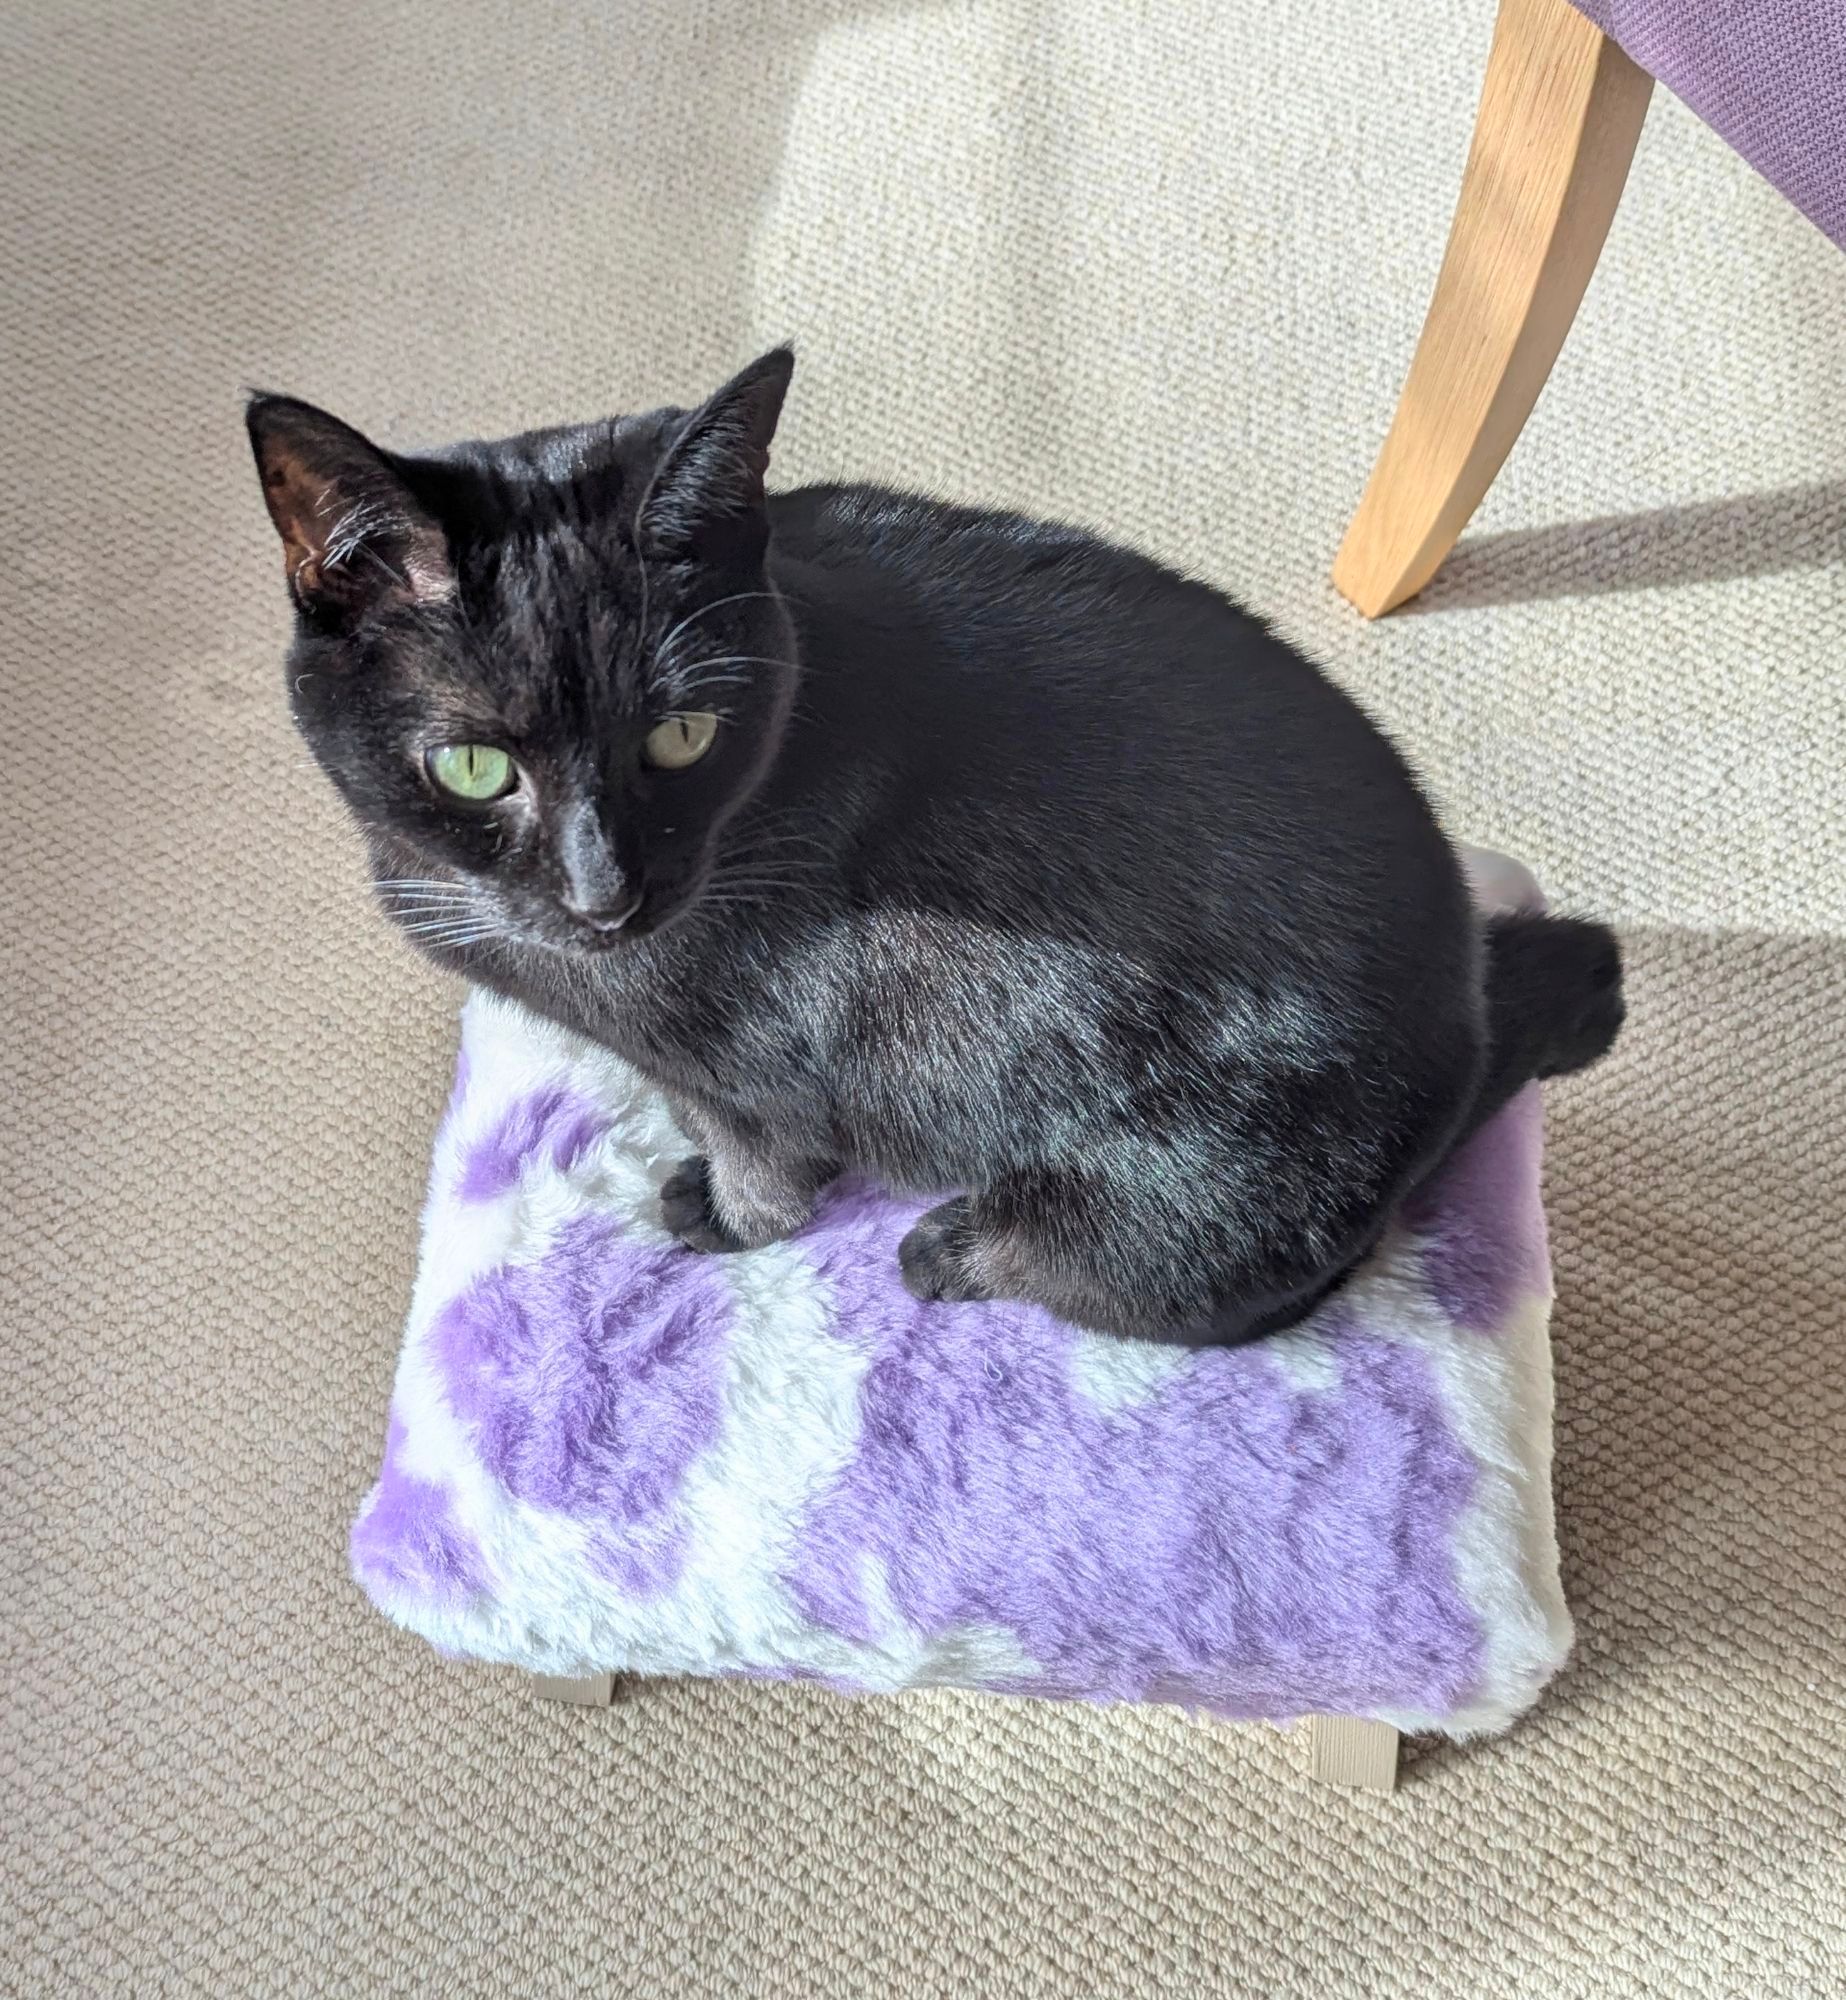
x,y
685,1207
937,1259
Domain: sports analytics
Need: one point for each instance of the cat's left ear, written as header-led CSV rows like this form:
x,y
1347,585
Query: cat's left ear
x,y
354,537
706,498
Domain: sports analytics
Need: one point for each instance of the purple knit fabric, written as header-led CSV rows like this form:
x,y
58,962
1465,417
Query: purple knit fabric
x,y
1767,75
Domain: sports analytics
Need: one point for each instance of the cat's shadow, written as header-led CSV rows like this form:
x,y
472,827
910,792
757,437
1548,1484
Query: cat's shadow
x,y
1693,1181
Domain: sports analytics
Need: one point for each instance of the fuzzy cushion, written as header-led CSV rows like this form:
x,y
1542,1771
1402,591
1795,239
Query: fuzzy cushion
x,y
607,1452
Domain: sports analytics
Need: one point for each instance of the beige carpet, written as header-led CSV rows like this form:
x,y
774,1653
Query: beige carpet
x,y
1155,266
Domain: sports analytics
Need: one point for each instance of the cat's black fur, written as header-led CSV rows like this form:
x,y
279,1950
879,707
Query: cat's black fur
x,y
1020,865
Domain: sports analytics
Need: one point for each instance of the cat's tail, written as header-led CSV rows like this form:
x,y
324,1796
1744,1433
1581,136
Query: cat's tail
x,y
1554,1002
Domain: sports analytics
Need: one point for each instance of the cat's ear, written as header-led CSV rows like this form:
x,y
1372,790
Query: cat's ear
x,y
354,538
706,496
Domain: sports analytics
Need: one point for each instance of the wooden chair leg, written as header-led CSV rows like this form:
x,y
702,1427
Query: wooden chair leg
x,y
1345,1750
1560,113
586,1691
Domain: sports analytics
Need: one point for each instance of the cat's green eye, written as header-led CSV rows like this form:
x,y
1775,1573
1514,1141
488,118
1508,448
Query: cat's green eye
x,y
474,771
679,741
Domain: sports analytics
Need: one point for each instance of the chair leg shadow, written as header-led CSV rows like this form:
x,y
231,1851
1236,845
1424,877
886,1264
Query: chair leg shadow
x,y
1709,541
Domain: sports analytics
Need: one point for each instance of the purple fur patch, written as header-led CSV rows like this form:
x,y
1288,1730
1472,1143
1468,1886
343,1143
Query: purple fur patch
x,y
1233,1539
554,1125
409,1538
592,1379
1481,1221
638,1563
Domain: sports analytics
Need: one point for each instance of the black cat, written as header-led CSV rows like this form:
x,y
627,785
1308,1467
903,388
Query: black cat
x,y
949,846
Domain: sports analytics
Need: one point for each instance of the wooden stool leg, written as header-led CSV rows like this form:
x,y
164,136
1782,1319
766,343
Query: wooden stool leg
x,y
586,1691
1560,113
1344,1750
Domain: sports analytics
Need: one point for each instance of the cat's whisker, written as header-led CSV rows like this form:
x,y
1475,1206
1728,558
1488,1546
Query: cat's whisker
x,y
685,682
732,660
435,890
761,868
790,824
776,855
704,611
720,894
760,842
450,933
765,891
731,873
774,845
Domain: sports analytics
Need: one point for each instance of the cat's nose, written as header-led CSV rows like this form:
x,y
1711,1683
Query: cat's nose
x,y
595,888
604,918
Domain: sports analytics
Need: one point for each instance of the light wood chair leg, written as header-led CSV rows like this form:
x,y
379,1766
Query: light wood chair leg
x,y
1345,1750
1561,110
584,1691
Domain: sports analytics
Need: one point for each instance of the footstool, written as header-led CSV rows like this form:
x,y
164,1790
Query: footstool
x,y
608,1455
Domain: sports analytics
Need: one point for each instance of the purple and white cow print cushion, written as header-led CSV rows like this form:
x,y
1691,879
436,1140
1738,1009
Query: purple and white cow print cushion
x,y
605,1452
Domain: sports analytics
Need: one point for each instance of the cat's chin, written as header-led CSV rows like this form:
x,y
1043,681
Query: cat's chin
x,y
585,947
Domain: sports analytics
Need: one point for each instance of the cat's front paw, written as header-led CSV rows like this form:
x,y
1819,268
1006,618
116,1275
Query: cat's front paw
x,y
686,1208
937,1257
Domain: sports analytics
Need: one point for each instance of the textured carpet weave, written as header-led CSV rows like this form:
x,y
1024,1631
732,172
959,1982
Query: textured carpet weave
x,y
1156,267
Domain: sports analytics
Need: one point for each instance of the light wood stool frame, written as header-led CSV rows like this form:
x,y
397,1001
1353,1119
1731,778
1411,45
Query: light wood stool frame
x,y
1342,1749
1352,1751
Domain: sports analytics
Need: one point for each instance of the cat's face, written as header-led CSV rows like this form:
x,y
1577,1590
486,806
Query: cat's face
x,y
542,673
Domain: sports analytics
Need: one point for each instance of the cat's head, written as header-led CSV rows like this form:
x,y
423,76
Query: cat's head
x,y
545,672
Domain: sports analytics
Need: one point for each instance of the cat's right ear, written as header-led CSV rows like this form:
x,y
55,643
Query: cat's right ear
x,y
354,538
